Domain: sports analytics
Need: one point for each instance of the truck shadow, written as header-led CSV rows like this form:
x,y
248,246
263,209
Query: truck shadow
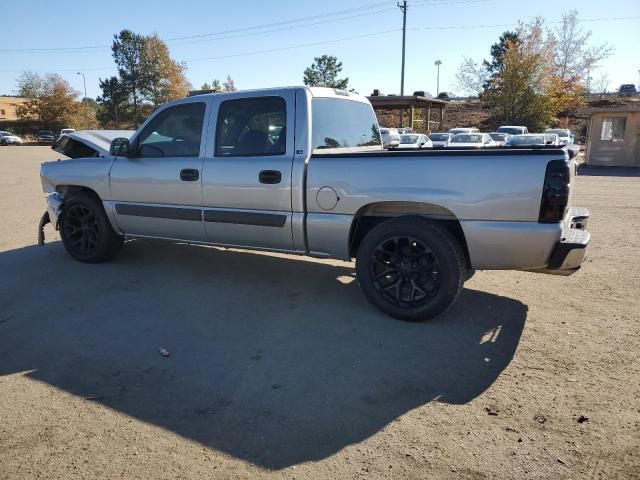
x,y
274,360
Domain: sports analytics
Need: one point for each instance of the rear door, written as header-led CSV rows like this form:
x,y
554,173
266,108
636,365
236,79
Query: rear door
x,y
158,190
246,177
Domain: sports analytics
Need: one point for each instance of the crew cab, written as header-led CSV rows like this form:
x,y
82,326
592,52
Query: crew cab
x,y
302,170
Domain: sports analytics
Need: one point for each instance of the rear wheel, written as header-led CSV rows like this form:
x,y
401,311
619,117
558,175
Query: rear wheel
x,y
85,230
410,268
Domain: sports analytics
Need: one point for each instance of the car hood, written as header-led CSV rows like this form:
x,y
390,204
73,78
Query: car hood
x,y
98,140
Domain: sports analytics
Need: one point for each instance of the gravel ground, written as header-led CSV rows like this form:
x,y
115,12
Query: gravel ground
x,y
280,369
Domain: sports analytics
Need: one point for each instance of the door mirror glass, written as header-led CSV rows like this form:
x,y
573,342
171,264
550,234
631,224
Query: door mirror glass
x,y
119,147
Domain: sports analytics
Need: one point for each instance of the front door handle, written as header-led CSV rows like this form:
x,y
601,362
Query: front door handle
x,y
270,176
189,175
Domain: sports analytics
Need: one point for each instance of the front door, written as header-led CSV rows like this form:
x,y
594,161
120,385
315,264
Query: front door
x,y
246,176
157,191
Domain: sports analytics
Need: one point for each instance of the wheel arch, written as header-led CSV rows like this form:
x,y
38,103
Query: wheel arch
x,y
68,190
372,214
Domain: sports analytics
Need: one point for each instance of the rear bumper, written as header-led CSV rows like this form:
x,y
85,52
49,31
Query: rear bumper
x,y
569,253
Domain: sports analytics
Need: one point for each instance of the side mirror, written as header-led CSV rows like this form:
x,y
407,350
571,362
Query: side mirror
x,y
120,147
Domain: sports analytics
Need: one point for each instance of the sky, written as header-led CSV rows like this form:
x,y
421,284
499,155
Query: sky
x,y
270,43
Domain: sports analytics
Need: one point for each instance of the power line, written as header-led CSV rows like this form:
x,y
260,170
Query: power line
x,y
253,30
223,32
337,40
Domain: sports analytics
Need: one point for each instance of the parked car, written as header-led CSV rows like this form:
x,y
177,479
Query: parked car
x,y
414,140
64,131
627,90
403,130
533,139
444,96
457,130
478,140
513,129
8,138
45,136
500,138
440,140
390,137
203,170
565,136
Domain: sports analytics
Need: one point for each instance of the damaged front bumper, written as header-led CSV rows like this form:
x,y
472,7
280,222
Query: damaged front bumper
x,y
52,215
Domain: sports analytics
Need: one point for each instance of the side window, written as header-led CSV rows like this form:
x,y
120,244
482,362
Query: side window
x,y
613,129
174,132
252,127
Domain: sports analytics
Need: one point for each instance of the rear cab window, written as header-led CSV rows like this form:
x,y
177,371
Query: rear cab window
x,y
340,123
251,127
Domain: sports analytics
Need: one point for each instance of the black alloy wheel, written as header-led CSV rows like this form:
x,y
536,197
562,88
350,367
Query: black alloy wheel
x,y
411,267
405,271
81,229
85,230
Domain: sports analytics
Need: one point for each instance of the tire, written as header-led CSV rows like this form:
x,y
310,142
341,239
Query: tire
x,y
3,143
85,230
410,268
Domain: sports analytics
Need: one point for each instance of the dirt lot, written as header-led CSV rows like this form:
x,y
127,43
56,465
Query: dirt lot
x,y
280,369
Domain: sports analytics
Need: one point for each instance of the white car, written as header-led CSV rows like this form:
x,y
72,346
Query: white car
x,y
500,138
390,137
64,131
8,138
440,140
414,140
458,130
533,139
566,136
513,129
477,140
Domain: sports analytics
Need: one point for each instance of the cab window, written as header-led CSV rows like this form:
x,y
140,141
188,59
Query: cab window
x,y
252,127
174,132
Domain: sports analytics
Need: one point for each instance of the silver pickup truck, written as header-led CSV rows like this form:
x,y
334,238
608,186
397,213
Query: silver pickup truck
x,y
302,171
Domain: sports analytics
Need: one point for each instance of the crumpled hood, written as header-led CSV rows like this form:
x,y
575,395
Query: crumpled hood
x,y
98,140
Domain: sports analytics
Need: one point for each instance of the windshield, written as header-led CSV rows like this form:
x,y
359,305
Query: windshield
x,y
527,140
45,132
6,133
409,138
499,137
439,137
510,130
467,138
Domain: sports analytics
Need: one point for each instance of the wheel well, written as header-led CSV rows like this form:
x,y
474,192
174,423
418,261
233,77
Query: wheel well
x,y
370,216
66,190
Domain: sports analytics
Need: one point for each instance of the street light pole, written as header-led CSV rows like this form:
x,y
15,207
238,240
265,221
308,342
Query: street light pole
x,y
84,81
437,64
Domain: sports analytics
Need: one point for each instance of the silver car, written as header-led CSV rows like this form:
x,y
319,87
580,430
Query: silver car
x,y
500,138
440,140
390,137
8,138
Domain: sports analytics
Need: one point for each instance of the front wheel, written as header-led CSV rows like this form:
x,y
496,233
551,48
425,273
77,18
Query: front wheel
x,y
85,230
411,268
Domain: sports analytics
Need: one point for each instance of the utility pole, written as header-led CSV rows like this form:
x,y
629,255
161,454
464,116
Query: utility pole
x,y
84,81
403,7
437,64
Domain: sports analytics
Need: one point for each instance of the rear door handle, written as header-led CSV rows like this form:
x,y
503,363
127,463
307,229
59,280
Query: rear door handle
x,y
189,175
270,176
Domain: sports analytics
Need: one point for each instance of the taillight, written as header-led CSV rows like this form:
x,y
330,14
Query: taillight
x,y
555,193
